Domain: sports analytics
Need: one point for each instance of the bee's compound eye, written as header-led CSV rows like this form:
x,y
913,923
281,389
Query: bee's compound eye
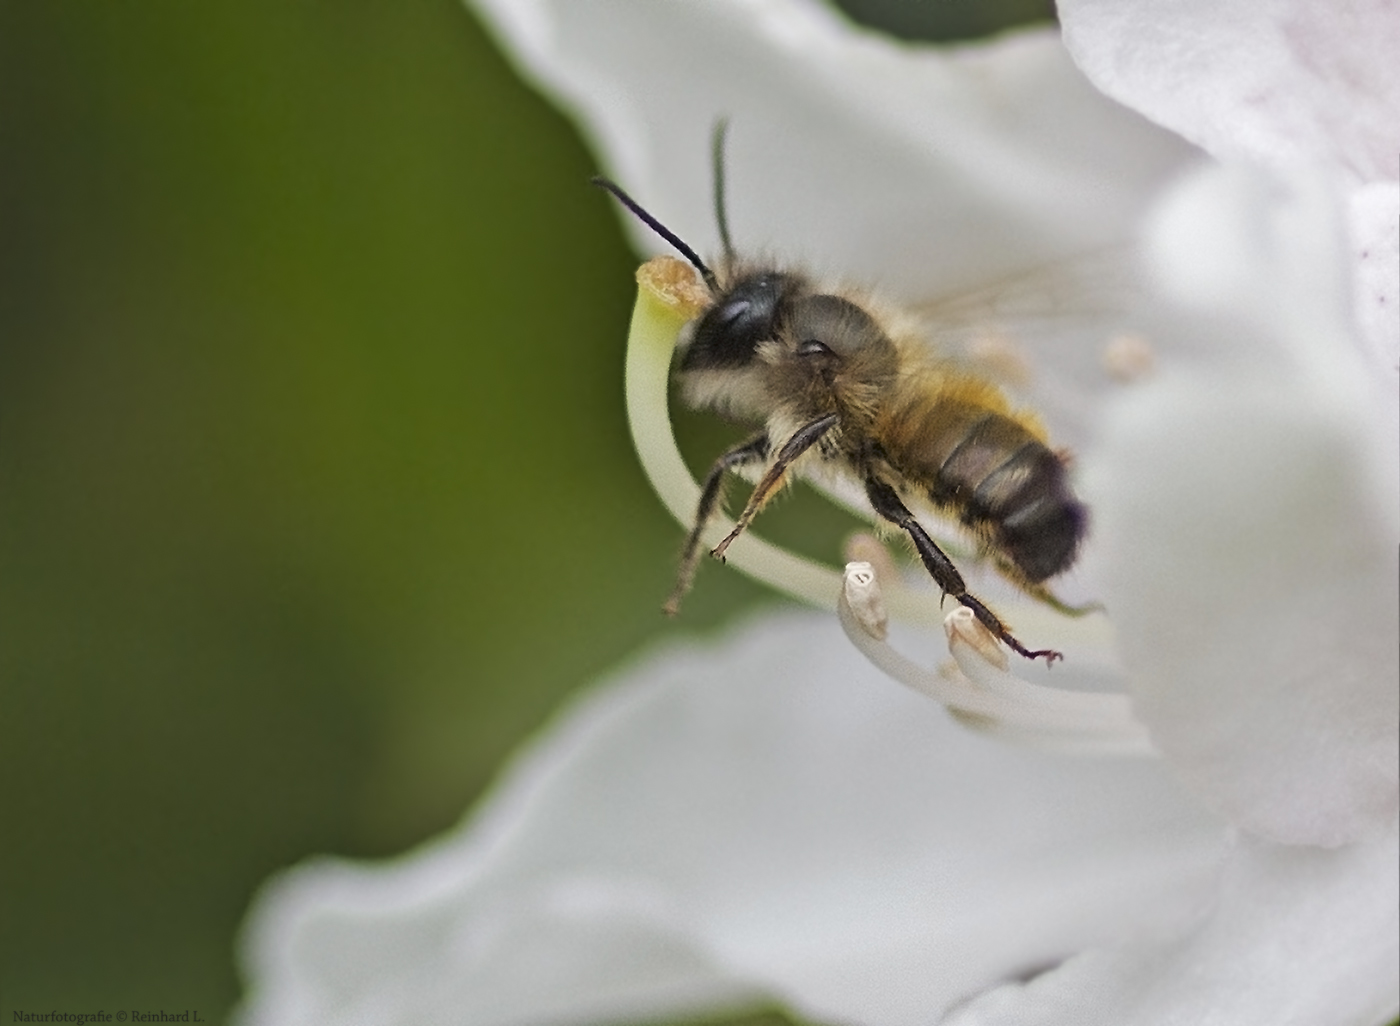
x,y
732,312
843,328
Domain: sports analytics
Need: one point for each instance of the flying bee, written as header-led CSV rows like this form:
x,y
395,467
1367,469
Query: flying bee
x,y
839,380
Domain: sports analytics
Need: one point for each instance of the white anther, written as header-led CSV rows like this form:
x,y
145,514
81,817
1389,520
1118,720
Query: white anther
x,y
962,627
1128,358
861,589
864,547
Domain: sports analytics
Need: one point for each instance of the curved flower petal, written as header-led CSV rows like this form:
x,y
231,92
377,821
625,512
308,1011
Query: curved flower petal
x,y
1281,83
1246,505
762,817
1278,909
1277,83
928,172
1375,238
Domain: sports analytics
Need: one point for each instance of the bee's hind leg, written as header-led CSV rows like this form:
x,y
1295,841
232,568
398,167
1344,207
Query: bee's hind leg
x,y
888,505
751,451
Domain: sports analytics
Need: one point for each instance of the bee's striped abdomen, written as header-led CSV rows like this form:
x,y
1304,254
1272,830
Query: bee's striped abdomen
x,y
1004,484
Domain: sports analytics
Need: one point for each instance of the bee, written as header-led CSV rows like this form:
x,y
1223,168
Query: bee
x,y
838,380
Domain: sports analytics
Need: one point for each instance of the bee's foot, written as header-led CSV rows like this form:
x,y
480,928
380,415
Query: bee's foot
x,y
1048,654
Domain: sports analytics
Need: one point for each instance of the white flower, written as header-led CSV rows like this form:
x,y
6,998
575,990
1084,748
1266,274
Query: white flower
x,y
769,818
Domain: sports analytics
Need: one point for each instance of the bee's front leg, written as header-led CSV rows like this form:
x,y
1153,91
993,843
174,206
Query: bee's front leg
x,y
751,451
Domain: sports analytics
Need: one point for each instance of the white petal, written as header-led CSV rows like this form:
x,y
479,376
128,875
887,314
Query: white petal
x,y
925,171
1297,936
1246,510
1277,82
764,817
1375,238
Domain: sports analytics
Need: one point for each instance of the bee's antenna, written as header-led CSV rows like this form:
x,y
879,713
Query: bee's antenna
x,y
717,158
660,229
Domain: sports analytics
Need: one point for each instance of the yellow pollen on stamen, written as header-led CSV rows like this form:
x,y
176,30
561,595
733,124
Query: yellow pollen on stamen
x,y
674,284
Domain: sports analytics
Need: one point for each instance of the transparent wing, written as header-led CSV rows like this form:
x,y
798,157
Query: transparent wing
x,y
1056,337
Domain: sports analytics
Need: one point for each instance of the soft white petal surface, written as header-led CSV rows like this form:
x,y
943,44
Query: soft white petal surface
x,y
1375,238
1298,936
925,171
1246,507
764,816
1268,81
1279,83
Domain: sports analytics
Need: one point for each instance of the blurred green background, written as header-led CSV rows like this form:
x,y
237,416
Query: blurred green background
x,y
315,490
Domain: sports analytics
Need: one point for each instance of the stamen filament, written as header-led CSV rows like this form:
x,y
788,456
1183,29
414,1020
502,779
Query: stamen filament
x,y
663,308
985,695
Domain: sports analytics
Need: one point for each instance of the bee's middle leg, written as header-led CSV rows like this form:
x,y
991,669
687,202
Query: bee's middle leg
x,y
888,505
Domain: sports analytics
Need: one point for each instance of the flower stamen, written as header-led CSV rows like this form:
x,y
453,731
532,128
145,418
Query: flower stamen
x,y
664,305
862,595
985,695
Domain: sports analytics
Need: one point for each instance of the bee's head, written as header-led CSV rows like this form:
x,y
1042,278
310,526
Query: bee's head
x,y
749,312
785,341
